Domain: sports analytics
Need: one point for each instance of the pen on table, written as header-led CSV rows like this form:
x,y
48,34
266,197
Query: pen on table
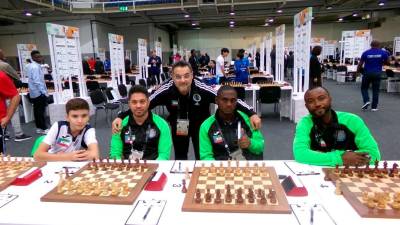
x,y
311,215
147,212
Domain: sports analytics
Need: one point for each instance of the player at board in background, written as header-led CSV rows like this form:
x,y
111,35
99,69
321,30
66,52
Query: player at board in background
x,y
228,134
144,135
70,140
326,137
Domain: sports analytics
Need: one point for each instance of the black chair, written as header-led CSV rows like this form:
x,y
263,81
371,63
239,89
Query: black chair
x,y
163,77
48,77
241,93
257,80
389,73
92,85
269,95
89,77
100,102
142,82
75,86
50,85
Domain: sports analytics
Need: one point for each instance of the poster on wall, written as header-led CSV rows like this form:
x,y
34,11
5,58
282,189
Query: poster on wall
x,y
24,53
268,49
66,60
302,42
280,53
329,49
396,46
354,43
117,59
142,58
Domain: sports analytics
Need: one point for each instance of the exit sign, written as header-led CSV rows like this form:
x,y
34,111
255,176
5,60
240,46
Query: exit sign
x,y
123,8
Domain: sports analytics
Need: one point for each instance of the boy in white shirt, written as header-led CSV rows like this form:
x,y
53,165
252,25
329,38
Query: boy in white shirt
x,y
70,140
220,67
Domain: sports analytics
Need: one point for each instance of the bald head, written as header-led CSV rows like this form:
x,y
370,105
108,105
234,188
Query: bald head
x,y
375,44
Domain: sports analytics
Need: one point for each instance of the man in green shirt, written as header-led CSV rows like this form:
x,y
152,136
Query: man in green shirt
x,y
228,134
144,135
328,138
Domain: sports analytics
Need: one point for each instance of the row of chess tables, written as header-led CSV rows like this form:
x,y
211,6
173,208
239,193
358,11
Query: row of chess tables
x,y
320,206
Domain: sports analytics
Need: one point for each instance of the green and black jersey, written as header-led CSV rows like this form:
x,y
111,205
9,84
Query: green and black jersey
x,y
153,138
318,145
218,139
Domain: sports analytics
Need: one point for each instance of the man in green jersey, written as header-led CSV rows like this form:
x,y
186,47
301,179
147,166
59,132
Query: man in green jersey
x,y
328,138
228,134
144,135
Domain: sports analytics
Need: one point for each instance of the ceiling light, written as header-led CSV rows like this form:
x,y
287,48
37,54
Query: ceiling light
x,y
271,20
381,3
232,13
193,24
329,7
355,14
187,15
231,22
340,19
28,14
232,25
279,11
266,24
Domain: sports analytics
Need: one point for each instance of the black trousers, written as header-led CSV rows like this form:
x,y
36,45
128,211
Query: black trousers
x,y
2,140
39,109
181,143
367,80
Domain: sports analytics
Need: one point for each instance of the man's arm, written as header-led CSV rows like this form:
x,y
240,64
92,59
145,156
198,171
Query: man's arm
x,y
9,91
361,63
256,142
206,149
14,102
116,146
165,141
37,81
304,154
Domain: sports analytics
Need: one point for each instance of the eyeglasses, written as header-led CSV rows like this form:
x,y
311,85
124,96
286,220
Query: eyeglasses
x,y
180,77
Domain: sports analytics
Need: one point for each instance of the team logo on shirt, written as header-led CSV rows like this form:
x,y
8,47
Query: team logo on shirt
x,y
64,141
197,99
341,135
217,137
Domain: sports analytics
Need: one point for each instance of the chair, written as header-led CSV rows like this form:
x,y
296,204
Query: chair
x,y
123,91
241,93
50,85
100,102
256,80
142,82
389,73
75,86
48,77
269,95
89,77
92,85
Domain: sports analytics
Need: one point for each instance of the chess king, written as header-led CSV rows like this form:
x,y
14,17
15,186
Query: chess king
x,y
144,135
326,137
228,134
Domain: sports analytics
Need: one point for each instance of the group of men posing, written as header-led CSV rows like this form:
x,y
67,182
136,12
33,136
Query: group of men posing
x,y
325,137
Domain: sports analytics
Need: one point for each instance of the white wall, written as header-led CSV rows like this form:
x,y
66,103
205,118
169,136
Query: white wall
x,y
213,39
389,29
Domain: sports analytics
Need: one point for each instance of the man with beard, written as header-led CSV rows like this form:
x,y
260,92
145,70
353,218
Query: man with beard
x,y
144,135
328,138
228,134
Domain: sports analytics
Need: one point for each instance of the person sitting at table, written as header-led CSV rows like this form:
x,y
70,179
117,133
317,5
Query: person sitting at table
x,y
144,135
211,67
70,140
228,134
328,138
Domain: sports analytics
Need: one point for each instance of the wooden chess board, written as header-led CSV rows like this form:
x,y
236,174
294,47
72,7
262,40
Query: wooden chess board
x,y
10,169
96,182
353,187
253,177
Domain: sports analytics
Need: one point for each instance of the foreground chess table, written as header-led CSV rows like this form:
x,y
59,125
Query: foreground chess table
x,y
27,208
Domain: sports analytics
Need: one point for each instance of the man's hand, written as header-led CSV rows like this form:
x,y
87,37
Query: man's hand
x,y
116,125
5,121
255,122
80,155
355,158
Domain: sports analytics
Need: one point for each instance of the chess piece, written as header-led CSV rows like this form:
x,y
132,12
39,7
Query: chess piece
x,y
342,173
239,197
263,200
395,205
125,189
360,173
198,196
376,165
187,175
385,164
365,196
217,196
66,172
145,162
338,190
382,202
60,184
184,190
250,195
371,203
394,167
272,196
228,194
208,195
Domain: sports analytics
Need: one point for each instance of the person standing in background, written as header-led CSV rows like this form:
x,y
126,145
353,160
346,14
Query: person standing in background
x,y
220,67
37,91
99,66
155,66
315,79
372,60
273,59
15,120
290,65
194,62
127,65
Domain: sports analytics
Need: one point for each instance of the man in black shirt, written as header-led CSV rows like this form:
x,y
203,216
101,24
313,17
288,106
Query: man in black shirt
x,y
155,66
188,102
194,62
315,68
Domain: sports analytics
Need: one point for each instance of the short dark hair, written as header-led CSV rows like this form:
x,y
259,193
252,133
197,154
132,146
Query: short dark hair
x,y
34,52
138,89
181,64
76,104
316,87
224,50
316,50
225,88
375,44
240,53
192,51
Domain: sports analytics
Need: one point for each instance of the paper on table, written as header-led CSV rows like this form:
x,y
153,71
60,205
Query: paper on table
x,y
302,169
312,214
6,198
146,212
180,166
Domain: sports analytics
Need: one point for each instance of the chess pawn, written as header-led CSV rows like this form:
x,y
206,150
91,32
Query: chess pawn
x,y
382,203
198,196
395,205
371,203
365,196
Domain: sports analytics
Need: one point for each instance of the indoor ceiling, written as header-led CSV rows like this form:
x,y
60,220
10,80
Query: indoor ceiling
x,y
193,14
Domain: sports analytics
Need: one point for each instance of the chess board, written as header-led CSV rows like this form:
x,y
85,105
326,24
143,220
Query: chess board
x,y
248,177
353,186
96,182
10,169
